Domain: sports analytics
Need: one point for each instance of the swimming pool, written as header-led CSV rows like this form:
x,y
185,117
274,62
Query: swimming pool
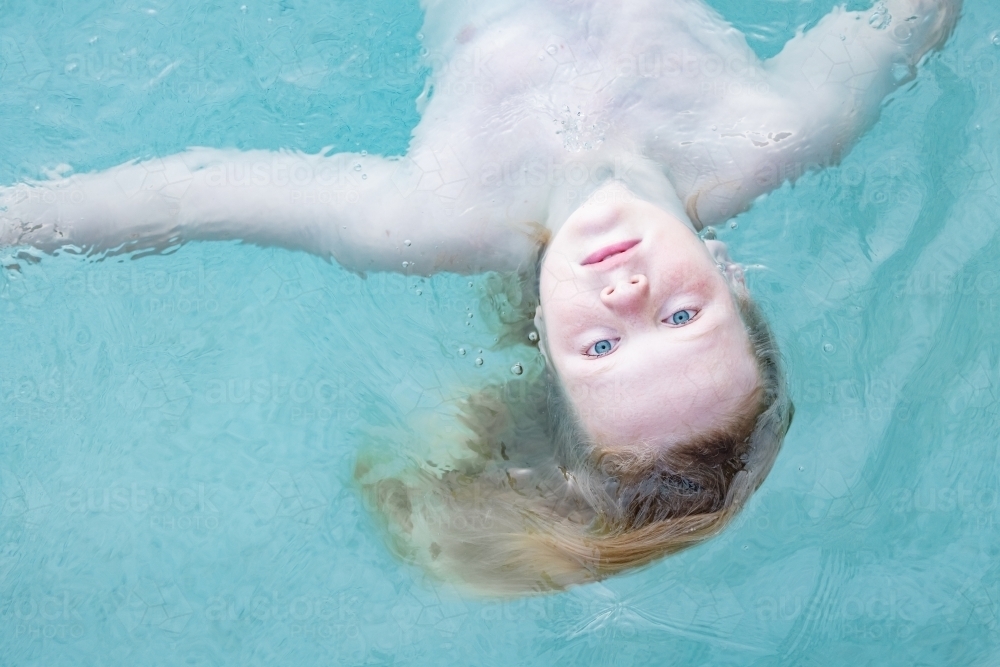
x,y
180,430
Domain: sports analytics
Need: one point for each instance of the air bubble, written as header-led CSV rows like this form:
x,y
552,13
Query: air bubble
x,y
364,153
533,336
420,35
551,49
406,242
517,369
801,468
243,8
357,167
461,351
364,177
470,283
479,361
828,347
995,39
470,316
734,224
405,264
419,292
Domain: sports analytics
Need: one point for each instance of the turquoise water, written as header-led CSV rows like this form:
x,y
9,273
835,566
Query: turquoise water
x,y
179,431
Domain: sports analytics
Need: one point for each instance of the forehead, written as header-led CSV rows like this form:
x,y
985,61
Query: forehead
x,y
662,391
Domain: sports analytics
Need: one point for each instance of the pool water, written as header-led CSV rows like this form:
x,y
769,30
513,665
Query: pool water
x,y
179,431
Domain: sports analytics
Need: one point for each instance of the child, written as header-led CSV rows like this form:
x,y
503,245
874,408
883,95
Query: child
x,y
597,137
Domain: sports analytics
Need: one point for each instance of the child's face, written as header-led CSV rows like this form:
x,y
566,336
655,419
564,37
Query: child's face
x,y
648,342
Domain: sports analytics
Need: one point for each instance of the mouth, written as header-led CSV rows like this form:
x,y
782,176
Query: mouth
x,y
605,254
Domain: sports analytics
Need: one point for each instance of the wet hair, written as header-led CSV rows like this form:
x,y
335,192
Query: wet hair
x,y
528,502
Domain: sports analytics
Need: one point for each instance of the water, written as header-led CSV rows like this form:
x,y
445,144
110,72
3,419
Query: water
x,y
179,431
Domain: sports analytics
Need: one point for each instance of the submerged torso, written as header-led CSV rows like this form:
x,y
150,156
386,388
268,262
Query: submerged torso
x,y
526,96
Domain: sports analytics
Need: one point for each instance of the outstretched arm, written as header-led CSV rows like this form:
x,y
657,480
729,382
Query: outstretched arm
x,y
810,102
359,210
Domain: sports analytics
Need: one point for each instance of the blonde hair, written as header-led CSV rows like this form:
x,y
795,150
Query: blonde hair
x,y
529,503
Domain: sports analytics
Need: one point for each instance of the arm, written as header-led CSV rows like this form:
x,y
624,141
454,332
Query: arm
x,y
811,102
361,217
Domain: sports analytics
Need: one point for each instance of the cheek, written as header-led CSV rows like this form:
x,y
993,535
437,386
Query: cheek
x,y
566,304
555,272
567,323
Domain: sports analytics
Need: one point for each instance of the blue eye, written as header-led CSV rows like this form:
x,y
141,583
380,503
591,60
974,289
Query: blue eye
x,y
600,348
681,317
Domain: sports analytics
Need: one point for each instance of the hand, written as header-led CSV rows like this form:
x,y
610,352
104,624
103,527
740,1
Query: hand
x,y
27,216
922,25
11,228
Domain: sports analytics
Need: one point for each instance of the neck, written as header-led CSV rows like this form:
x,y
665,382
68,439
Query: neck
x,y
588,173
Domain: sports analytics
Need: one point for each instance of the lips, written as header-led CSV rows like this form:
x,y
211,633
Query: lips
x,y
607,252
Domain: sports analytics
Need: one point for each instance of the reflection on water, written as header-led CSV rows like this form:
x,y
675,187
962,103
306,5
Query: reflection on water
x,y
178,431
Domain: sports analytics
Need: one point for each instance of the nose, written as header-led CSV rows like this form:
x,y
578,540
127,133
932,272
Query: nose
x,y
627,296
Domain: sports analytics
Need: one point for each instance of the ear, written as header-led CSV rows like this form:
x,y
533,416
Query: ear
x,y
718,250
542,338
734,273
732,270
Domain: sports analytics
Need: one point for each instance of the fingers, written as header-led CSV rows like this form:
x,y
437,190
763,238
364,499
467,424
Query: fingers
x,y
920,26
